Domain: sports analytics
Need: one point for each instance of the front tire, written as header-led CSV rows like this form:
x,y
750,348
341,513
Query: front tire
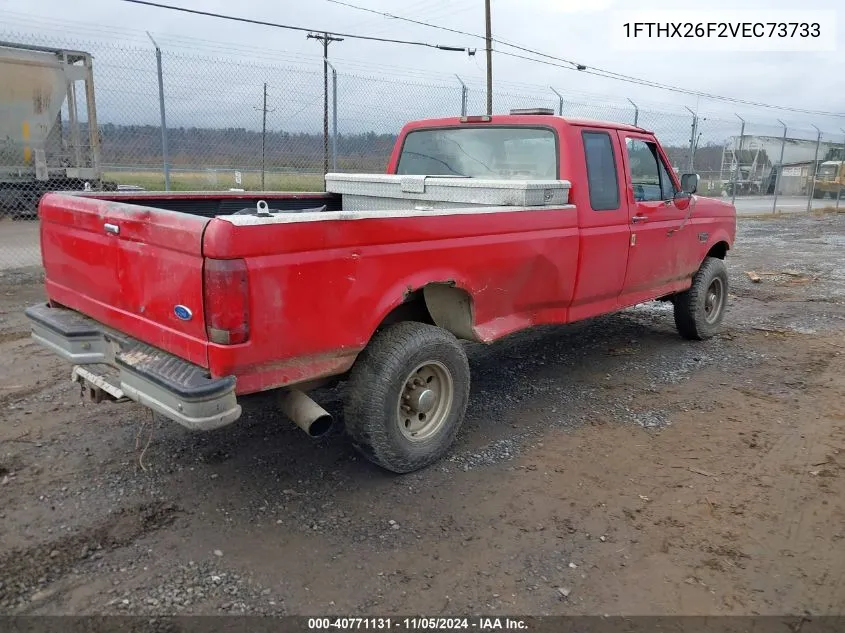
x,y
699,311
407,396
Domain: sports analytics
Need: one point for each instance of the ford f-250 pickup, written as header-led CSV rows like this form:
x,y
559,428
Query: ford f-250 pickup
x,y
482,226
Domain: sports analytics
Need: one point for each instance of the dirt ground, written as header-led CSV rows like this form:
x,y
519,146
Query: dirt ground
x,y
606,467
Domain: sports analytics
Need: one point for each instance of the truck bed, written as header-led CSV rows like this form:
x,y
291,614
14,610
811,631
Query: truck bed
x,y
210,204
148,265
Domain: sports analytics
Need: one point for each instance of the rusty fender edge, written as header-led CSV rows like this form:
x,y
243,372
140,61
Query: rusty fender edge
x,y
175,388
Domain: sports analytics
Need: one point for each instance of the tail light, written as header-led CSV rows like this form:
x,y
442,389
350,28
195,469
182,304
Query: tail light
x,y
226,290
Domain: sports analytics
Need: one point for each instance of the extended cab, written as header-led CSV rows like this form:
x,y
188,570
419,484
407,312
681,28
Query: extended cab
x,y
482,226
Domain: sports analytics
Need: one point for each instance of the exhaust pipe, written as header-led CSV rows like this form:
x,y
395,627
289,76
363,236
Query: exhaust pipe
x,y
305,413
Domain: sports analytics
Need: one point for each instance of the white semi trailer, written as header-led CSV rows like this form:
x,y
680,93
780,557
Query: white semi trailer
x,y
48,126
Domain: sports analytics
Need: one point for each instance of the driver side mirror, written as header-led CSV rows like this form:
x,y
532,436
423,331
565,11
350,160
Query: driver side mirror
x,y
689,183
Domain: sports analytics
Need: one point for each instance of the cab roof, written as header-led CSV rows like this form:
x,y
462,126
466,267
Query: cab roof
x,y
523,120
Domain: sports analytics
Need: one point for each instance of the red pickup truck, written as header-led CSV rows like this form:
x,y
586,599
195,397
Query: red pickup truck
x,y
482,226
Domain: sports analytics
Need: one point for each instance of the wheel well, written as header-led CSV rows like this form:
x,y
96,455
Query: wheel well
x,y
719,250
440,304
413,308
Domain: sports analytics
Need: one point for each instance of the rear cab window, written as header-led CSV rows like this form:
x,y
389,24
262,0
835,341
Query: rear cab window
x,y
602,175
507,153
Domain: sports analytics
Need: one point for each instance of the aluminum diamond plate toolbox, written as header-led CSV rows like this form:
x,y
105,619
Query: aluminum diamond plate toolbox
x,y
387,191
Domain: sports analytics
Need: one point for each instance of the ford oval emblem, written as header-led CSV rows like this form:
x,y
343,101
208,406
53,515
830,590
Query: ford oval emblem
x,y
183,313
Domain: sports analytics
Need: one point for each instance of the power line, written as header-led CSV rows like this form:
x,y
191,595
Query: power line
x,y
384,14
124,34
107,35
575,65
590,70
431,10
651,84
289,27
190,42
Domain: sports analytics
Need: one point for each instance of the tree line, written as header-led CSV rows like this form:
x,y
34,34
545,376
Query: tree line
x,y
240,148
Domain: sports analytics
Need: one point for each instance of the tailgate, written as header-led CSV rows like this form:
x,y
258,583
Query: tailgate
x,y
136,269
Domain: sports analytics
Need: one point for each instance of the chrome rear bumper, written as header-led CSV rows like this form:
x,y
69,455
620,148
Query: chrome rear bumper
x,y
165,383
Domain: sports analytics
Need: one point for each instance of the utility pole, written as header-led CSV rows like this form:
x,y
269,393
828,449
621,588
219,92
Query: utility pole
x,y
264,110
326,39
489,40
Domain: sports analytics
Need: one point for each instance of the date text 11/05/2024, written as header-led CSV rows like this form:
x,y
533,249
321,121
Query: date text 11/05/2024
x,y
417,624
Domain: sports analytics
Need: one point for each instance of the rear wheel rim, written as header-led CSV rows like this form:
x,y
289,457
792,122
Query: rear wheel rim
x,y
425,401
714,299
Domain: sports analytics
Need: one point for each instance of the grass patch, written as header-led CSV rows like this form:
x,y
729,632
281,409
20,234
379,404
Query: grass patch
x,y
768,216
828,210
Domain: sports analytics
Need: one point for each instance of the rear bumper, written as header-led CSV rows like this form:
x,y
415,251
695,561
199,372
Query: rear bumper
x,y
177,389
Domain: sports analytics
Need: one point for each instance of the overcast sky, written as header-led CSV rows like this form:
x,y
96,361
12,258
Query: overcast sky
x,y
573,29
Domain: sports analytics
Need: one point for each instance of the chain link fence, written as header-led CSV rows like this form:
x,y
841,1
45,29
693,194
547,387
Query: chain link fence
x,y
235,122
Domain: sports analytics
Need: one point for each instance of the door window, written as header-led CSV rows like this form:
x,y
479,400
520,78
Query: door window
x,y
649,175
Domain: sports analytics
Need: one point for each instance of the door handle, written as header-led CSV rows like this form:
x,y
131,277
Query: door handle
x,y
639,218
114,229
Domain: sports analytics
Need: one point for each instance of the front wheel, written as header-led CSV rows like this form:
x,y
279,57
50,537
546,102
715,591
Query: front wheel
x,y
699,311
407,396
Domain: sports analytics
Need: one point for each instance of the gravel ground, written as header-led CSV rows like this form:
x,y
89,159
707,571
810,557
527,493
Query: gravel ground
x,y
604,467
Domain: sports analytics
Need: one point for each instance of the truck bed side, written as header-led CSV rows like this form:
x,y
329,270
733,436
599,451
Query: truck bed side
x,y
349,270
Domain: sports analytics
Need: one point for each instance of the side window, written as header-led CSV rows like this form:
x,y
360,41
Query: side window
x,y
649,173
602,178
645,170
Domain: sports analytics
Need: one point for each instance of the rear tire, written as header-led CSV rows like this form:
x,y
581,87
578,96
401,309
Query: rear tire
x,y
699,311
407,396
